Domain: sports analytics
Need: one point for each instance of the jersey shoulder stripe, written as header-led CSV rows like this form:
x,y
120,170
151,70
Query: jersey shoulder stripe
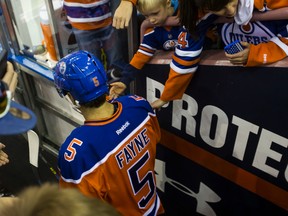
x,y
95,147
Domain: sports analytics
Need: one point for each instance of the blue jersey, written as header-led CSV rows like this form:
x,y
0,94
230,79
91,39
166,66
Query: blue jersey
x,y
185,59
158,38
114,159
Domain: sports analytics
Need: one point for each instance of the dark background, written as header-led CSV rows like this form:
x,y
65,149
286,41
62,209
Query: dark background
x,y
18,173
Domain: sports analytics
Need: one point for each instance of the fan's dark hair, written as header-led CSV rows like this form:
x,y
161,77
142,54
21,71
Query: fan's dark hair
x,y
190,10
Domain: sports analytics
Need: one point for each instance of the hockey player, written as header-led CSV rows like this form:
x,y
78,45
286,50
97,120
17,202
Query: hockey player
x,y
112,155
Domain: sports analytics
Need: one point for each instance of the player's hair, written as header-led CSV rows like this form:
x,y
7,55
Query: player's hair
x,y
148,5
49,200
190,10
96,103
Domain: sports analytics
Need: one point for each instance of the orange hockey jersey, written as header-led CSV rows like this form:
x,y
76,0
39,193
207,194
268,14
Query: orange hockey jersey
x,y
114,159
88,14
268,39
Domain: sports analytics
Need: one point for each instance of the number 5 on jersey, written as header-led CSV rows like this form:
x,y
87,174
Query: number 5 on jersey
x,y
139,184
72,151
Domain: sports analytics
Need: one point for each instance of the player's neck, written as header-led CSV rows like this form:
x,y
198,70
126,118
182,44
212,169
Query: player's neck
x,y
95,114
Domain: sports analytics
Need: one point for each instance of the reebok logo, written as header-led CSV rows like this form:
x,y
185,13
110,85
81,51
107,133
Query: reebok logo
x,y
123,127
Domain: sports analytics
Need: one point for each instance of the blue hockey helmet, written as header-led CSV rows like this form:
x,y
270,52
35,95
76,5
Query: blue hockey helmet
x,y
82,75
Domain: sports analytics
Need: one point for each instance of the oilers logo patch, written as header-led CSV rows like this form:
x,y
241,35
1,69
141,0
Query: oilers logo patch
x,y
253,32
170,44
247,29
62,68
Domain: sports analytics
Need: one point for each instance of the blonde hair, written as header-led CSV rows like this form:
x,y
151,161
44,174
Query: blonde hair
x,y
49,200
147,5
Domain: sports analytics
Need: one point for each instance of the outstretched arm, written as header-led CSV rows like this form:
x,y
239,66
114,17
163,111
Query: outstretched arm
x,y
275,50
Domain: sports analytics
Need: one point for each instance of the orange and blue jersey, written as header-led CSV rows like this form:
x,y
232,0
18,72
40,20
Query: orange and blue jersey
x,y
88,14
265,5
187,51
155,38
268,39
185,59
158,38
114,159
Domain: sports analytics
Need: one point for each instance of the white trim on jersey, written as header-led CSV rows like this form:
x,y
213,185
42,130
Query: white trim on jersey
x,y
77,181
282,45
95,4
188,53
93,19
151,32
145,53
157,201
183,71
147,46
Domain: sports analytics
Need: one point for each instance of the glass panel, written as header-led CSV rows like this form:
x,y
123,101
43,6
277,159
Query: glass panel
x,y
26,13
34,31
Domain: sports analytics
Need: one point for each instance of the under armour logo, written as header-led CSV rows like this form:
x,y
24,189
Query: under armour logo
x,y
203,197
